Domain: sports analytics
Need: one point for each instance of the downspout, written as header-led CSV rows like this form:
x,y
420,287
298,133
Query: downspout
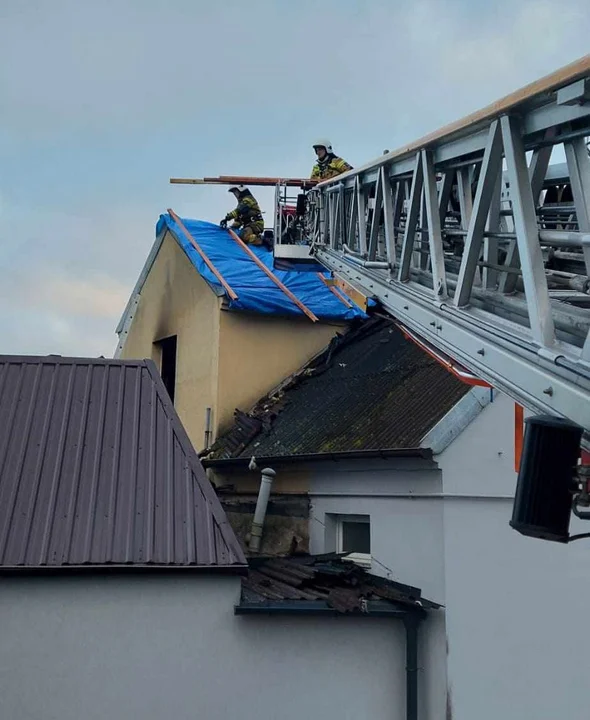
x,y
411,623
268,475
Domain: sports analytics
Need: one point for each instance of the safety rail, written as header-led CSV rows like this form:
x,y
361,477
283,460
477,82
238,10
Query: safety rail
x,y
468,238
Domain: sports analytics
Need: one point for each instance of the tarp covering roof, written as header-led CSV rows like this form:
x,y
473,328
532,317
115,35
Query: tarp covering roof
x,y
256,291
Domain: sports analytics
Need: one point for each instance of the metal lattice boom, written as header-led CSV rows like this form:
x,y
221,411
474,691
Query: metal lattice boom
x,y
473,241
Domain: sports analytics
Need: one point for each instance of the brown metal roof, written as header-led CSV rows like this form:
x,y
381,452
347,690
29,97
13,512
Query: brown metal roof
x,y
97,470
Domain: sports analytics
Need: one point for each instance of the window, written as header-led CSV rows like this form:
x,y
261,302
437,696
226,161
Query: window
x,y
353,537
167,351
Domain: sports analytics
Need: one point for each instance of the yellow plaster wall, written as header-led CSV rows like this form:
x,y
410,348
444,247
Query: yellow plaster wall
x,y
225,360
175,300
257,352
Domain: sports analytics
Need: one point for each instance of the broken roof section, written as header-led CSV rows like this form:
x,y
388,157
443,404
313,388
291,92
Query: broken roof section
x,y
97,470
255,290
328,582
371,389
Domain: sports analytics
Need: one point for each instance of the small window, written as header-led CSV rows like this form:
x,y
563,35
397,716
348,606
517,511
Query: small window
x,y
354,538
167,350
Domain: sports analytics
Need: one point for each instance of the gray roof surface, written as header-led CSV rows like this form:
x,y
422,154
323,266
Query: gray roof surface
x,y
371,389
97,470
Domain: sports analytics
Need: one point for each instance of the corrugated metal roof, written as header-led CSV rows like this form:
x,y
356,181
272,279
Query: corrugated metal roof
x,y
371,390
96,469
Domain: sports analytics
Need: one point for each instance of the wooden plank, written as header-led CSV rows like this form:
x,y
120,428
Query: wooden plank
x,y
208,262
333,290
273,277
357,297
245,180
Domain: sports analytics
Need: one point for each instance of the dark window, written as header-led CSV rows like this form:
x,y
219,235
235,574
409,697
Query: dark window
x,y
356,537
167,349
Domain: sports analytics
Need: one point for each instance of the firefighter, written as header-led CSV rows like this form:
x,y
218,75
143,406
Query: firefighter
x,y
328,164
246,216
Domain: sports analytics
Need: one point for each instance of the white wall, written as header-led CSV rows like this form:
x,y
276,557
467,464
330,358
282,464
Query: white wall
x,y
402,498
170,647
515,606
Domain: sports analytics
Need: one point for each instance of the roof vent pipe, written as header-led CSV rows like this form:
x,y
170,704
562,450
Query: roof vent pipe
x,y
268,475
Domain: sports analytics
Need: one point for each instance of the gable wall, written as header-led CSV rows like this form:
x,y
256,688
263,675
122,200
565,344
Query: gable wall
x,y
225,360
257,352
175,300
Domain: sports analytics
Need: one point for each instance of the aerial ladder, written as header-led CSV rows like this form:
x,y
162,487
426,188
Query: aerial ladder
x,y
477,246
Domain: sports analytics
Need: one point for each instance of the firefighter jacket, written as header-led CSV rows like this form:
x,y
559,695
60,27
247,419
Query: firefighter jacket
x,y
329,167
247,212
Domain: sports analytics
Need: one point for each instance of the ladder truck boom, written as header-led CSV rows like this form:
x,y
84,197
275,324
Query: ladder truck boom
x,y
470,239
479,249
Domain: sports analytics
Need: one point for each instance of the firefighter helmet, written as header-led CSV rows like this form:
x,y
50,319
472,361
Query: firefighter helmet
x,y
323,143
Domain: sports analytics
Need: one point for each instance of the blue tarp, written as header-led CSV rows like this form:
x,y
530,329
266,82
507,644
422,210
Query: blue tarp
x,y
255,290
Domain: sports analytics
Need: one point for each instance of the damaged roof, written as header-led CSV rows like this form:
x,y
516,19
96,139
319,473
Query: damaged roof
x,y
255,291
96,469
324,581
371,389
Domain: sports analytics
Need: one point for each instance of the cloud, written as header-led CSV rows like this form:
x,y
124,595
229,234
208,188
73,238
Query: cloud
x,y
111,99
98,297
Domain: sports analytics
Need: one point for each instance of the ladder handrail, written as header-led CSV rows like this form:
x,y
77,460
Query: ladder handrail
x,y
456,248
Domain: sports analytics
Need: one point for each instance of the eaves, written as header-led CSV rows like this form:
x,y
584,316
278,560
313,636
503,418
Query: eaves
x,y
278,460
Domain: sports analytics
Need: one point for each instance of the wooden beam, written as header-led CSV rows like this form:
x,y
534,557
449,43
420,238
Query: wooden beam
x,y
357,297
273,277
208,262
333,290
245,180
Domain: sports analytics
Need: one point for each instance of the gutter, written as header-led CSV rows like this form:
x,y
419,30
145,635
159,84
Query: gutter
x,y
273,460
375,608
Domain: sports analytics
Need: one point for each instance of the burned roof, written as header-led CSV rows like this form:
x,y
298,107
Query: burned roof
x,y
371,389
97,470
324,582
254,291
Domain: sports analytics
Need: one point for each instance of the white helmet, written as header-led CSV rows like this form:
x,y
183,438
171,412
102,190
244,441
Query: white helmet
x,y
323,143
239,188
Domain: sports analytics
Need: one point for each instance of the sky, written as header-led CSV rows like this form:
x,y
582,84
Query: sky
x,y
101,102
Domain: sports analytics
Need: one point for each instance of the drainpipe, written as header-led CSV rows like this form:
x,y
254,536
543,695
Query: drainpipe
x,y
207,428
268,475
411,623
